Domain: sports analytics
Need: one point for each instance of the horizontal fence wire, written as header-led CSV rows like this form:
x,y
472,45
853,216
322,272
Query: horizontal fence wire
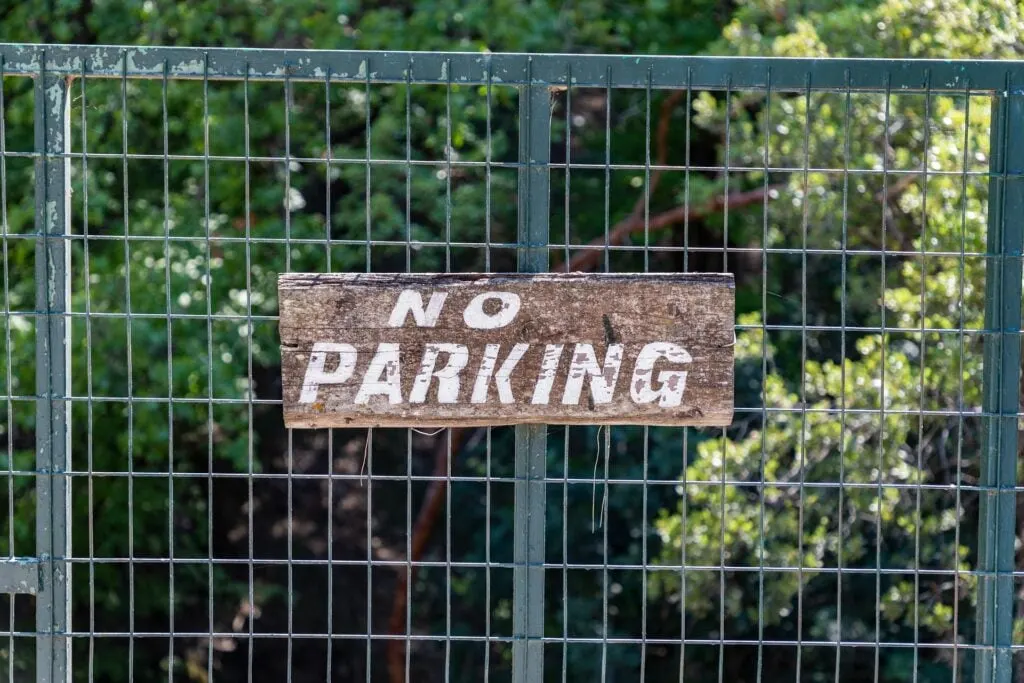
x,y
830,533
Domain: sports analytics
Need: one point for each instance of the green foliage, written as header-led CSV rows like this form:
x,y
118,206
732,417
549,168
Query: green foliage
x,y
876,445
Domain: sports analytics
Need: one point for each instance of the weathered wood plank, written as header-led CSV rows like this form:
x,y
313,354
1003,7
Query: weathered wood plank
x,y
434,350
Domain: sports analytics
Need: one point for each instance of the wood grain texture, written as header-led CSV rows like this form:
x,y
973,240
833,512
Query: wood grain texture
x,y
677,322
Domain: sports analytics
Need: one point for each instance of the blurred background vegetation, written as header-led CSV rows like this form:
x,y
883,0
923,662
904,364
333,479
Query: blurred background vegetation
x,y
209,232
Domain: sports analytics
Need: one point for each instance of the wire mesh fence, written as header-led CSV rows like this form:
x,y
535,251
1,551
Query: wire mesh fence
x,y
857,521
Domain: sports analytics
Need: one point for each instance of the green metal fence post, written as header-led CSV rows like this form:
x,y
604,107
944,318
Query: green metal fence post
x,y
53,447
531,440
997,514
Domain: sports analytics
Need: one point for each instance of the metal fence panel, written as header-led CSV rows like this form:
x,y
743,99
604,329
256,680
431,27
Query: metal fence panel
x,y
858,519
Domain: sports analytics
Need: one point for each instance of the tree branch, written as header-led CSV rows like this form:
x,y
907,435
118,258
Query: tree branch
x,y
661,147
620,232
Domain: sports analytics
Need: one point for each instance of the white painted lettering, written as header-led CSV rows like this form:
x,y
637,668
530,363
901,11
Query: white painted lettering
x,y
410,301
315,373
447,377
671,383
478,319
502,378
383,377
602,378
546,378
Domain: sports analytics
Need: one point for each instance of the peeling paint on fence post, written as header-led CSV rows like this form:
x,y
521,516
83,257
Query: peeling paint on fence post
x,y
53,386
531,440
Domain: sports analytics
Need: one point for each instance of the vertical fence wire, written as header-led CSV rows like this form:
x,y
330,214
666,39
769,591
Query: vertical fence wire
x,y
879,479
250,456
961,280
128,327
90,423
166,230
763,446
921,371
330,433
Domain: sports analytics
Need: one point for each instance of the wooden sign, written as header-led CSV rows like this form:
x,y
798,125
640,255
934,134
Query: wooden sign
x,y
429,350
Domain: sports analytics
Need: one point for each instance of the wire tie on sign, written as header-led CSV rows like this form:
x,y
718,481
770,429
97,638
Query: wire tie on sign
x,y
593,483
607,454
594,526
366,454
422,432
